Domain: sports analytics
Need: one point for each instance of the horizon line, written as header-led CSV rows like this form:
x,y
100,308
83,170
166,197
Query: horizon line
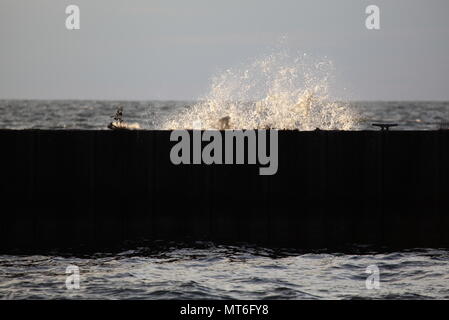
x,y
196,100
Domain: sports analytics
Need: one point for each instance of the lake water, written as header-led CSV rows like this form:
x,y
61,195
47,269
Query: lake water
x,y
208,271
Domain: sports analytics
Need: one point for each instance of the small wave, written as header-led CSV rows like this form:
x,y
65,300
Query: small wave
x,y
124,125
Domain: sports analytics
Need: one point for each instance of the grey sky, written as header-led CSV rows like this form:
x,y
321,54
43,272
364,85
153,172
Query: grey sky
x,y
169,49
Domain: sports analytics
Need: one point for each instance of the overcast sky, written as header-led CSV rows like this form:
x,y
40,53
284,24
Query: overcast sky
x,y
169,49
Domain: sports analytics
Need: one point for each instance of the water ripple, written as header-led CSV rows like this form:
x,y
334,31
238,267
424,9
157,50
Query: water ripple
x,y
208,271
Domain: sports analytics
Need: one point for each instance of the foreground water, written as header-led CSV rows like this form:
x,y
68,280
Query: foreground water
x,y
90,115
208,271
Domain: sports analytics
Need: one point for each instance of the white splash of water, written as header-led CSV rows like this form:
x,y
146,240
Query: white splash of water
x,y
124,125
275,91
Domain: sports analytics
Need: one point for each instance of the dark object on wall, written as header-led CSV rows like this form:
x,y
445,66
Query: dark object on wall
x,y
224,123
385,126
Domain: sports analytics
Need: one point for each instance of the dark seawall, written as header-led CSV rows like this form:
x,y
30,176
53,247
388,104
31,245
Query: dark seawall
x,y
96,189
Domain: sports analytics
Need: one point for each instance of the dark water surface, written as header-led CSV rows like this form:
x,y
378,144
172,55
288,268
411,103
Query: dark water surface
x,y
208,271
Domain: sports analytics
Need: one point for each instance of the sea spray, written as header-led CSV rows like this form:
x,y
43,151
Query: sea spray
x,y
277,91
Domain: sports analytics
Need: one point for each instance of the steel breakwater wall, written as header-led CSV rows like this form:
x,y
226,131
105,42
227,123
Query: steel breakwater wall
x,y
62,189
